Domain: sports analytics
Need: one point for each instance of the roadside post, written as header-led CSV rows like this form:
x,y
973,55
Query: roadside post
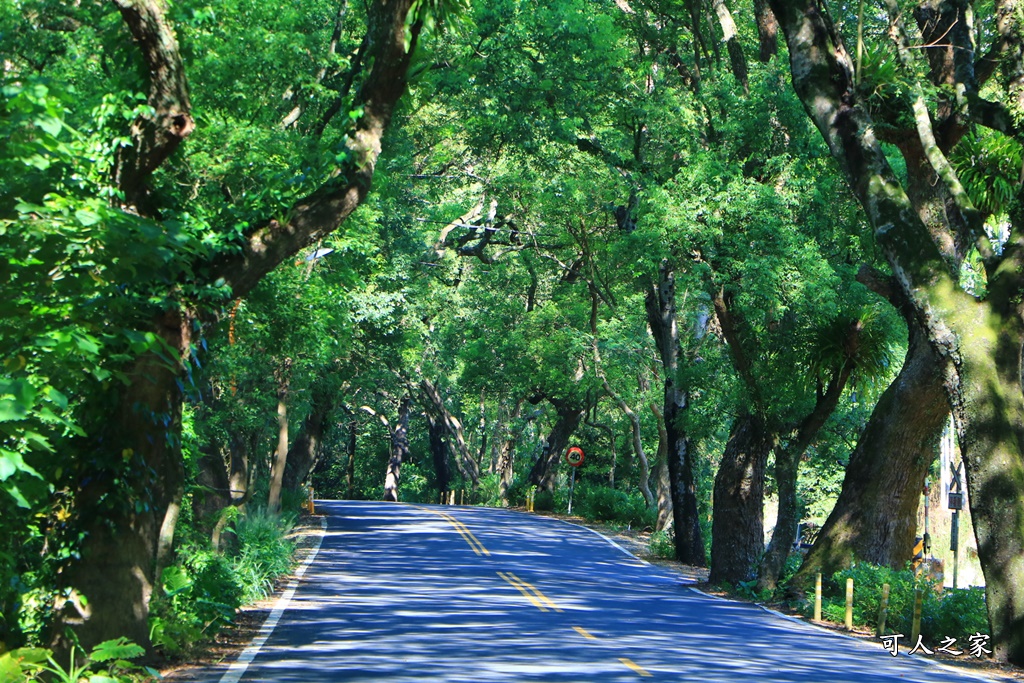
x,y
817,597
310,501
956,503
575,458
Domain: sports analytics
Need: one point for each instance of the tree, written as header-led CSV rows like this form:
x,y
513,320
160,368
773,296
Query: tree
x,y
139,421
977,336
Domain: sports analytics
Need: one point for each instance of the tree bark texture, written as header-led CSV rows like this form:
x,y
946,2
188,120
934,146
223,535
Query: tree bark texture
x,y
305,450
875,518
737,527
153,137
767,30
978,342
468,466
281,452
116,571
660,303
542,474
399,452
661,474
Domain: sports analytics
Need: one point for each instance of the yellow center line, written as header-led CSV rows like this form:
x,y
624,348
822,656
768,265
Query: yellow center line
x,y
635,667
463,530
536,592
583,632
472,540
537,603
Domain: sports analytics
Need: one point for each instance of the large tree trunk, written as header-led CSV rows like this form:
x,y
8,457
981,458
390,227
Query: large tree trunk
x,y
978,341
875,518
305,450
737,527
542,474
439,449
281,453
399,452
116,572
661,316
662,474
468,467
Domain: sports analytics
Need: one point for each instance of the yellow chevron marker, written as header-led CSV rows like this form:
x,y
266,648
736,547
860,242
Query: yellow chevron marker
x,y
583,632
635,667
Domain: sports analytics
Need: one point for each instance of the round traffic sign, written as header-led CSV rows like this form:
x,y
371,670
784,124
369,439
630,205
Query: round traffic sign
x,y
575,456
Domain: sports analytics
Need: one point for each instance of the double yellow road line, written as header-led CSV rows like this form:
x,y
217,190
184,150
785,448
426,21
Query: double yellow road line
x,y
540,601
464,531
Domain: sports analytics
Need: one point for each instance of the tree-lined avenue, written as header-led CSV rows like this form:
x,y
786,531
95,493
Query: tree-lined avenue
x,y
412,593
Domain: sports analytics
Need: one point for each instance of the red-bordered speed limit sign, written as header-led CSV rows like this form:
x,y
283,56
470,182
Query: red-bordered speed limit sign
x,y
575,456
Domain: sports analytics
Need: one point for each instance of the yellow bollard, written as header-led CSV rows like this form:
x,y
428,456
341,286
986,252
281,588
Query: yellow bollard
x,y
849,604
817,597
310,501
883,611
915,627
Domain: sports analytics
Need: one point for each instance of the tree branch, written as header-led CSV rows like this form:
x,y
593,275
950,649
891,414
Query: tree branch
x,y
319,214
153,137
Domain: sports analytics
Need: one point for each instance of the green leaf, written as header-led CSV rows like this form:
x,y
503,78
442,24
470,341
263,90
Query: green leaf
x,y
87,217
120,648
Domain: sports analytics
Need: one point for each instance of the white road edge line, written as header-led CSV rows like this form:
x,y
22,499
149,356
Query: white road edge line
x,y
594,531
240,665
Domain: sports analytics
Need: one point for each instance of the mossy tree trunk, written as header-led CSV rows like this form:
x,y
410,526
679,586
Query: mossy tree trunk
x,y
977,340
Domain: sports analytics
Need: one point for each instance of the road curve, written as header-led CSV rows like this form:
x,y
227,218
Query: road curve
x,y
401,593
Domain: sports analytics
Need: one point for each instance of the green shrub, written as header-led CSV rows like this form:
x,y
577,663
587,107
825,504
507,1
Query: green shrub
x,y
489,493
956,613
544,501
663,544
107,662
199,596
264,552
201,593
612,505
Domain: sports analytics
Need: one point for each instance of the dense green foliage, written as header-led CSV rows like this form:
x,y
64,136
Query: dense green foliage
x,y
545,167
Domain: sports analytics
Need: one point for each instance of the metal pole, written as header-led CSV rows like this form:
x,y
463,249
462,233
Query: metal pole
x,y
572,483
954,543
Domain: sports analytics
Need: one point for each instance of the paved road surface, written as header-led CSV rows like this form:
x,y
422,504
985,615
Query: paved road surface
x,y
401,593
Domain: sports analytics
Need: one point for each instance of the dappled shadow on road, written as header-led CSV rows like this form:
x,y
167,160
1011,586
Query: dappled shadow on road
x,y
404,593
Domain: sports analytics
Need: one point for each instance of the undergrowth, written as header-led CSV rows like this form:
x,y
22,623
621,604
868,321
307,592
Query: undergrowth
x,y
203,590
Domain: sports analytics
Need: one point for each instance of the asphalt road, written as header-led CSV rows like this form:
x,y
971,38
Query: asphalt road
x,y
400,593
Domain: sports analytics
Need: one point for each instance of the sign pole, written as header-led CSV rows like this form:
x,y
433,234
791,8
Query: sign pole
x,y
572,483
